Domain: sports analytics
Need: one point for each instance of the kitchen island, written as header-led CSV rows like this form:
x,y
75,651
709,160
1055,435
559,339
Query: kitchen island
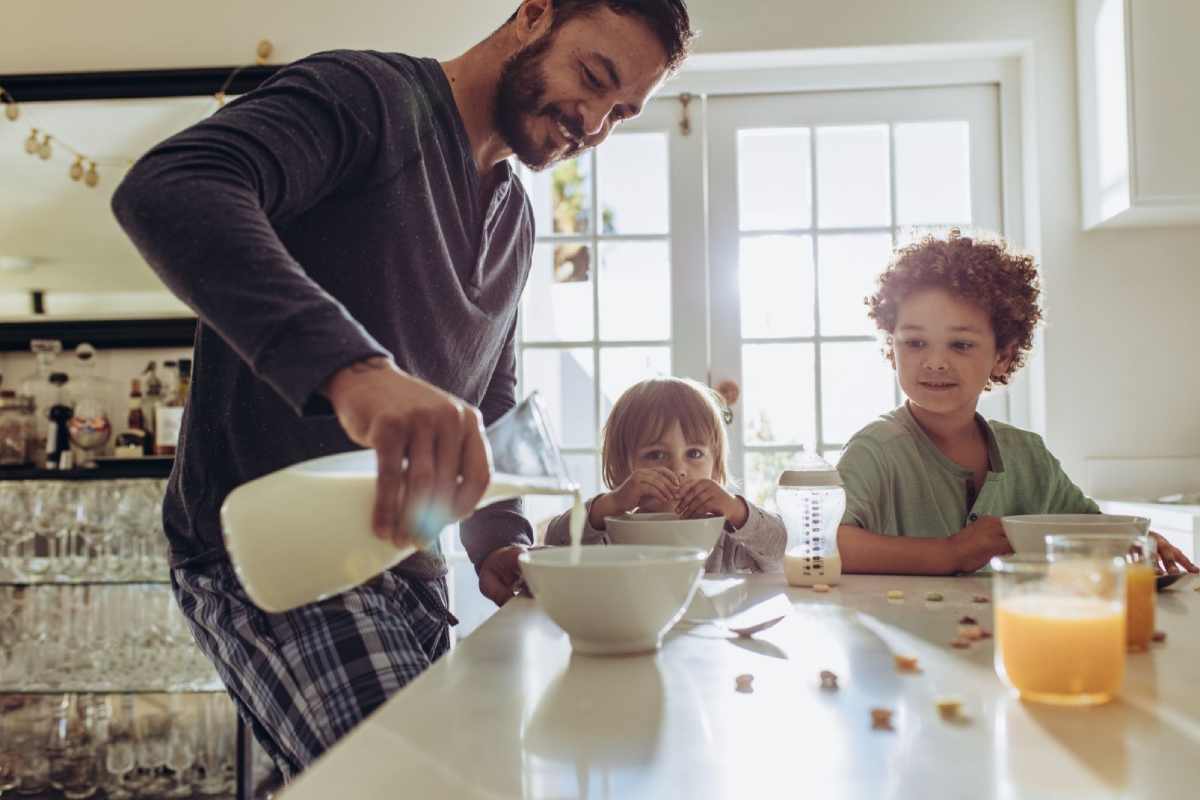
x,y
510,712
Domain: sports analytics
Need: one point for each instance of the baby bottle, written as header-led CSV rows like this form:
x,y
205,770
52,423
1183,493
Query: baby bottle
x,y
811,500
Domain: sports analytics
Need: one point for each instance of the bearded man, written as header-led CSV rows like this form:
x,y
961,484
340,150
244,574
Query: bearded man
x,y
354,241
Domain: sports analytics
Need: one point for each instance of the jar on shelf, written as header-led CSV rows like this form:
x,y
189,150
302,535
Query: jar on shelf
x,y
16,428
43,392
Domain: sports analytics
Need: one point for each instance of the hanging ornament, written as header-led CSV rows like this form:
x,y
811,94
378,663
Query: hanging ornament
x,y
265,48
44,150
76,171
220,96
31,144
11,110
92,177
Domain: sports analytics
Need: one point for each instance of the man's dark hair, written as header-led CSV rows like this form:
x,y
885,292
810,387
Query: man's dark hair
x,y
667,18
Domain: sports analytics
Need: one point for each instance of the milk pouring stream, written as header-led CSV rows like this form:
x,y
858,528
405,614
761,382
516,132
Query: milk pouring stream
x,y
304,533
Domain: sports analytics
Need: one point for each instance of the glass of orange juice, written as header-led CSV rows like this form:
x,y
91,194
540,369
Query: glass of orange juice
x,y
1060,627
1140,554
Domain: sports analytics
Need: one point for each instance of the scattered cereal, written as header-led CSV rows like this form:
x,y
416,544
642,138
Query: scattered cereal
x,y
967,621
981,598
821,587
933,597
906,663
984,633
828,680
972,633
949,707
895,594
959,644
1197,589
1159,636
745,683
881,719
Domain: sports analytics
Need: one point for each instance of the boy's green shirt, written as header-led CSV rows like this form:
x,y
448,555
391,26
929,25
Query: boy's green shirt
x,y
898,483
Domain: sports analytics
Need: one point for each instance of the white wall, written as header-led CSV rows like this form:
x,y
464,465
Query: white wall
x,y
1121,375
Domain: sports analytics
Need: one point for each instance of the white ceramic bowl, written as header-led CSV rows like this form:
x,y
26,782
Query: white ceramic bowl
x,y
666,529
617,599
1027,532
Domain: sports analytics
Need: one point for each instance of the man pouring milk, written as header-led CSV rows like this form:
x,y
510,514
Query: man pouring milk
x,y
355,243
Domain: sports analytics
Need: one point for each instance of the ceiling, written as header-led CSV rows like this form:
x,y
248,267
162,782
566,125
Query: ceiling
x,y
64,227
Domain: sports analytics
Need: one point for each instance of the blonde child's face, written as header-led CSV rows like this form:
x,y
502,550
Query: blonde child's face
x,y
945,351
691,461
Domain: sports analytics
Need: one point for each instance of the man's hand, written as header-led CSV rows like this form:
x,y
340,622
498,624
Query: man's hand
x,y
425,440
500,574
974,546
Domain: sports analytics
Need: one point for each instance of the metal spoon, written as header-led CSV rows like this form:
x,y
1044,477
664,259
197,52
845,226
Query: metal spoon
x,y
760,616
1163,581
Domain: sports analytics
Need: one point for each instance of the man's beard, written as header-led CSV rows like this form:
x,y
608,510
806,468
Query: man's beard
x,y
519,102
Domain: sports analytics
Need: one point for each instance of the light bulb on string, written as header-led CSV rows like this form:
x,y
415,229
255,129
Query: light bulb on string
x,y
44,150
31,144
92,177
76,171
11,110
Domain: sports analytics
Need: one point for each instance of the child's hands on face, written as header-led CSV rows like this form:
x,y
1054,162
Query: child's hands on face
x,y
706,497
974,545
650,489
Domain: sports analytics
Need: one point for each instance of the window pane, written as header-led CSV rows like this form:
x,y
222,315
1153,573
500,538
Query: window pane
x,y
566,381
622,367
762,474
557,304
849,264
933,172
779,394
561,197
774,179
635,291
775,281
632,173
857,385
582,467
853,184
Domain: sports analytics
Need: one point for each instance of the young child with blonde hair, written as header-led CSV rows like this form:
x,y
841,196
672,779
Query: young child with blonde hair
x,y
927,483
665,449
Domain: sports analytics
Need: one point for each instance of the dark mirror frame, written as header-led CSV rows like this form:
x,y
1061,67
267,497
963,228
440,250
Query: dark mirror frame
x,y
120,85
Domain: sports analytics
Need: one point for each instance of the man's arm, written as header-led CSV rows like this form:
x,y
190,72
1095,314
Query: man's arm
x,y
495,535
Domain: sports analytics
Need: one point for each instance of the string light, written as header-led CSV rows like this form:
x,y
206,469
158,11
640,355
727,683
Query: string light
x,y
41,143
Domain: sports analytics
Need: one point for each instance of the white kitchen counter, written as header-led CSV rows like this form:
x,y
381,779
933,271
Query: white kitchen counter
x,y
511,713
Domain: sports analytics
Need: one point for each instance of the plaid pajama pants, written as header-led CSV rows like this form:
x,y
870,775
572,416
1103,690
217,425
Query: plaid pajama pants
x,y
302,679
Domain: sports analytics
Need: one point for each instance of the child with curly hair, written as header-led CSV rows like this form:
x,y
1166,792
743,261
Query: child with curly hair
x,y
927,483
665,450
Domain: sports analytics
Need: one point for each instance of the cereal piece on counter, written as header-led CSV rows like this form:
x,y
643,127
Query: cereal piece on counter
x,y
1197,588
895,594
828,680
1159,636
949,707
934,597
967,621
972,633
981,598
820,587
959,643
881,719
984,633
745,683
906,663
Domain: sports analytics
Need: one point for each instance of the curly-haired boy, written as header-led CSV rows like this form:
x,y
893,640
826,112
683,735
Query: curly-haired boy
x,y
927,483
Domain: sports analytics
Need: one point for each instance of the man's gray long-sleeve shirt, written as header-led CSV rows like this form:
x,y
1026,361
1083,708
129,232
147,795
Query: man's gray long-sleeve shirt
x,y
331,215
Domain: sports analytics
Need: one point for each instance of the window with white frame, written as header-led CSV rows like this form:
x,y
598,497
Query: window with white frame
x,y
743,250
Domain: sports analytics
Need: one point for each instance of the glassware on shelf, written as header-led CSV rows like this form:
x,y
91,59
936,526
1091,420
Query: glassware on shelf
x,y
16,428
119,758
38,387
91,425
71,748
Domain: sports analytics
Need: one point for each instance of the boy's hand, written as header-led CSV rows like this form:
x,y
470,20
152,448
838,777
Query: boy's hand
x,y
707,497
500,574
1171,558
655,483
975,545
